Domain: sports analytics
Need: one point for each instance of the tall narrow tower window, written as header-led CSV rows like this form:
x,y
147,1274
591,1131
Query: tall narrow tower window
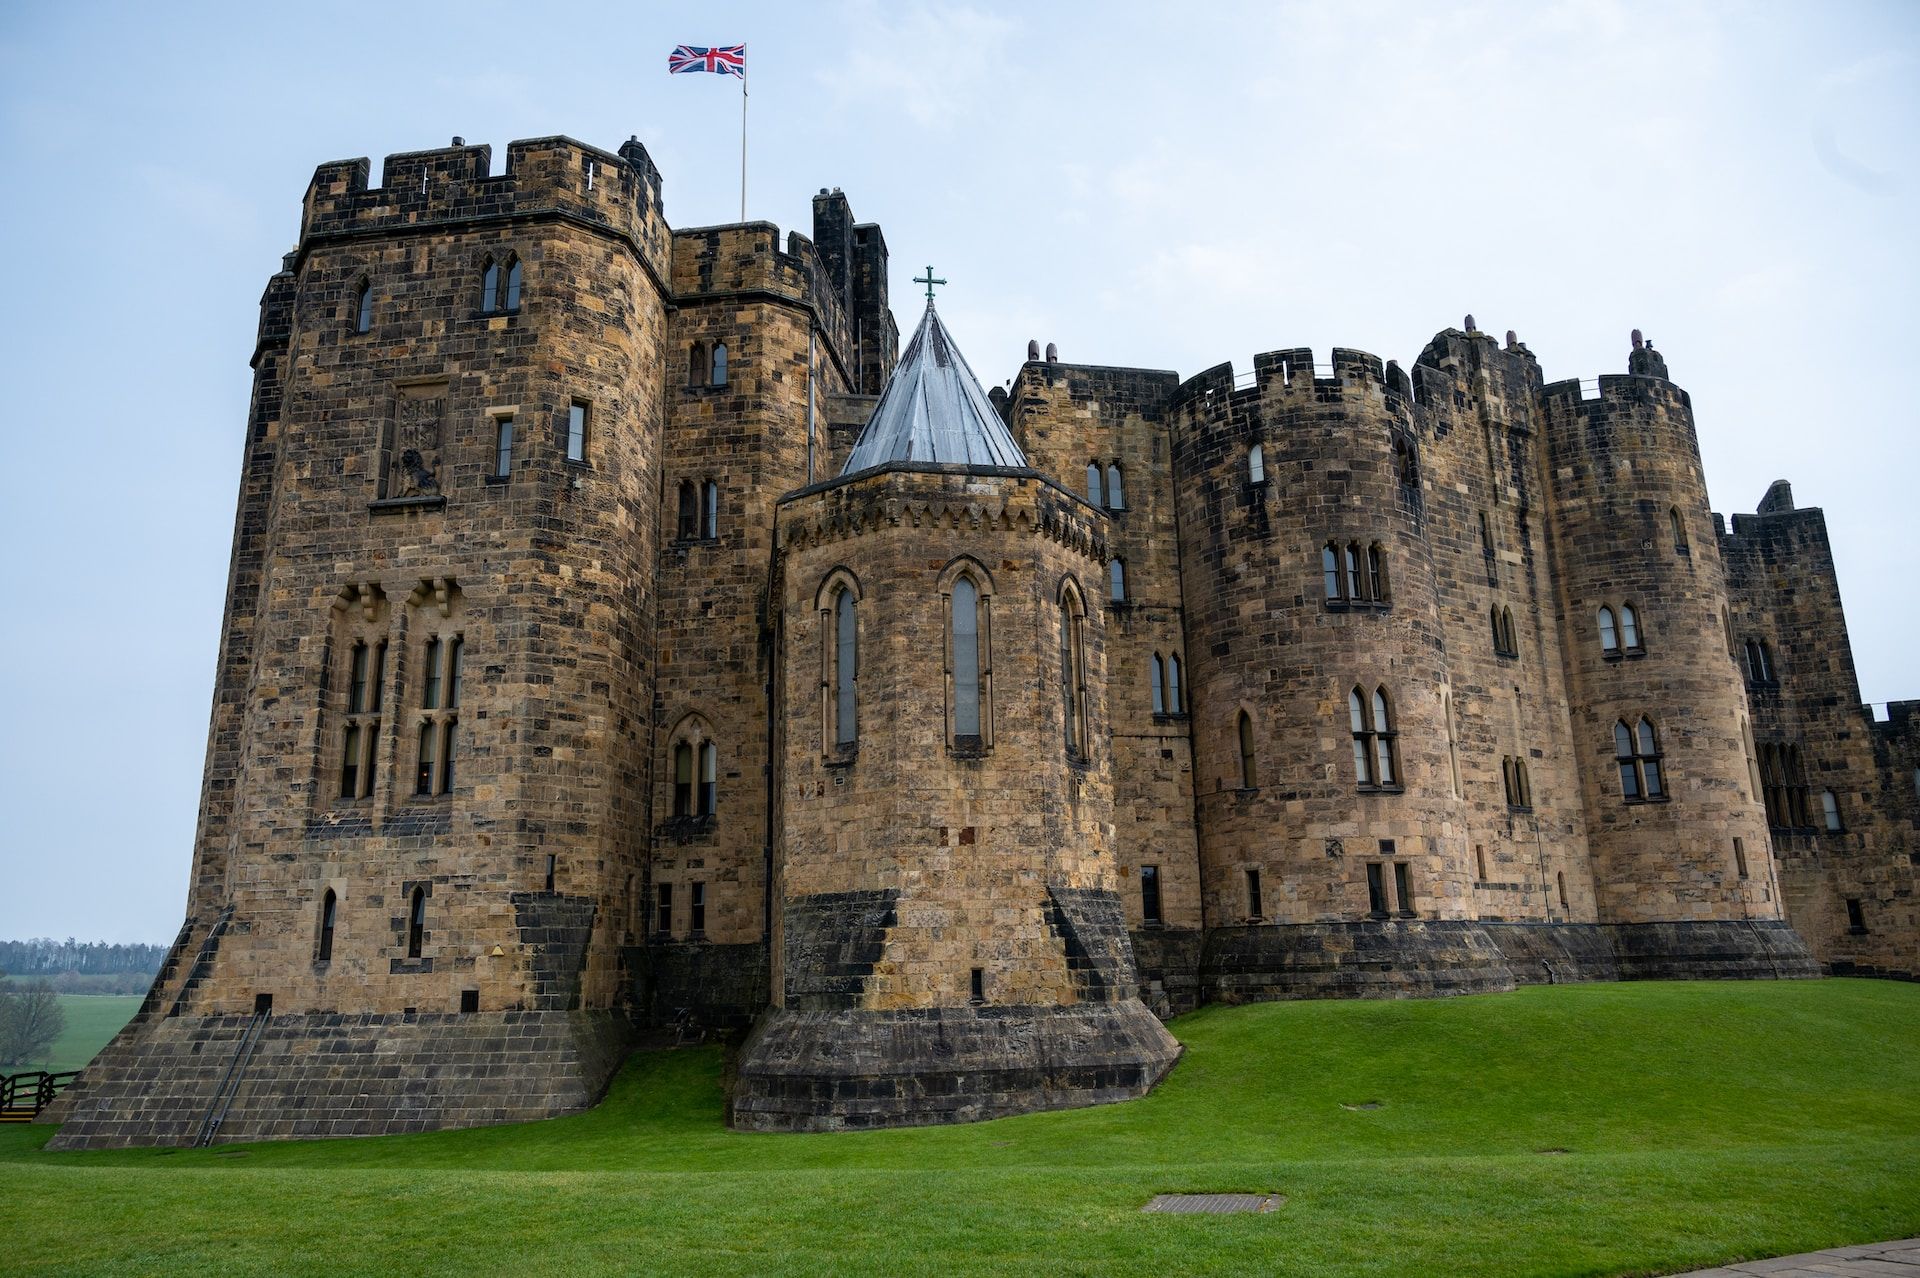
x,y
1256,465
1150,895
1249,779
1830,810
1609,636
1094,496
1637,753
503,446
1159,684
697,364
966,661
719,376
366,671
511,302
683,779
709,509
709,779
576,431
1330,571
1680,546
1174,703
1117,579
416,922
323,952
689,520
846,670
363,307
490,287
1375,749
1073,677
1629,628
1116,495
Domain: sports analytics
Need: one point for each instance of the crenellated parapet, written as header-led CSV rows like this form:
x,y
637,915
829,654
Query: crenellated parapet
x,y
745,261
452,188
941,500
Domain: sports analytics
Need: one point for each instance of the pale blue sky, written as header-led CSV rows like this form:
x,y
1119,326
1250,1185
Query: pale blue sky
x,y
1145,184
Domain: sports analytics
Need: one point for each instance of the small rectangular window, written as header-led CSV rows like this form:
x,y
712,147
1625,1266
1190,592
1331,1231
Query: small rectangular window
x,y
1856,917
697,909
503,446
1377,890
469,1000
979,985
423,778
1740,856
1150,893
1403,884
577,431
1253,894
663,911
552,864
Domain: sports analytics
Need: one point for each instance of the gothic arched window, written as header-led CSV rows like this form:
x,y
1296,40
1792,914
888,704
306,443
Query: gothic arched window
x,y
1376,755
1094,494
709,509
1609,637
1116,495
697,364
683,779
965,602
1256,465
1330,572
1249,779
363,307
1159,684
846,669
489,287
1629,628
1376,573
511,300
1073,674
1175,705
1637,753
719,365
1117,579
1680,546
688,526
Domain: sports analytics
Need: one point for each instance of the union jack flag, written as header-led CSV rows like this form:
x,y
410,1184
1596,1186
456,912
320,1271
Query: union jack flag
x,y
731,60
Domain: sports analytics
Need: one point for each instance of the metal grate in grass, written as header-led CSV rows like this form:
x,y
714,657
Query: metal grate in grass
x,y
1212,1204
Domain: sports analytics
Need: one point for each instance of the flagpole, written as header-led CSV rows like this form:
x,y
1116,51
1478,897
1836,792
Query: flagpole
x,y
743,139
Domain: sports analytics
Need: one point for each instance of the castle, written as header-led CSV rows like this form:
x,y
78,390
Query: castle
x,y
623,631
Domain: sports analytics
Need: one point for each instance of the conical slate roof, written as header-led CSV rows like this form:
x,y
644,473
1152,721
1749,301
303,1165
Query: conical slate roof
x,y
933,410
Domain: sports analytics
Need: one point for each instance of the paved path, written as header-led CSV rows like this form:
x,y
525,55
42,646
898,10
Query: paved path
x,y
1875,1260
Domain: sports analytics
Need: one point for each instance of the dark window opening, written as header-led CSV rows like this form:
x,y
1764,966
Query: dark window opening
x,y
1403,884
683,779
689,523
363,308
1248,779
263,1004
1560,877
709,780
1637,754
503,446
663,911
469,1001
1856,916
1480,861
416,922
697,909
1680,546
1376,757
328,906
697,364
1117,579
846,649
1175,705
1158,669
1740,856
978,986
1486,535
552,865
1253,895
1150,893
1377,904
490,287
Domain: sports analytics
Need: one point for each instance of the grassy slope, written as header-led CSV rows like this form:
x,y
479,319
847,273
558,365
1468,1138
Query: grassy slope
x,y
92,1019
1701,1122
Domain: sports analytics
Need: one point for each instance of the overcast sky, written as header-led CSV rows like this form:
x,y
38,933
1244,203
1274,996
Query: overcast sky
x,y
1154,184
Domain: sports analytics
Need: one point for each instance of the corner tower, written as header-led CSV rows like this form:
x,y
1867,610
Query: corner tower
x,y
950,944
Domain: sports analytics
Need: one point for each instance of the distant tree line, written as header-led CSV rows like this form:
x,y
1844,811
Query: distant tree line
x,y
44,956
82,967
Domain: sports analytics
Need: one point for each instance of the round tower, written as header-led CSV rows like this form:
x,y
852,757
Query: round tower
x,y
1322,768
1677,833
950,941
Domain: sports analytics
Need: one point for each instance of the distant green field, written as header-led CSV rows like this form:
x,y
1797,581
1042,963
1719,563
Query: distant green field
x,y
1557,1130
92,1019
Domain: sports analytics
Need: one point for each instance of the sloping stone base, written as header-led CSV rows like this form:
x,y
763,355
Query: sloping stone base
x,y
851,1068
1418,958
331,1074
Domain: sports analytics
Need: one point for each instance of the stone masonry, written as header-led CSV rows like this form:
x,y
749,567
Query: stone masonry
x,y
1389,682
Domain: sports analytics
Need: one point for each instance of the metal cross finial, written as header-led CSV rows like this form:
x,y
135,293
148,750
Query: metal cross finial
x,y
929,281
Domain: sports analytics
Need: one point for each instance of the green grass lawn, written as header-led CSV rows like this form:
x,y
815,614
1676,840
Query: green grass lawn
x,y
92,1019
1591,1129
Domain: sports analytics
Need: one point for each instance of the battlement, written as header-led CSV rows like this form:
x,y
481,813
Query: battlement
x,y
1611,392
747,257
449,186
1294,372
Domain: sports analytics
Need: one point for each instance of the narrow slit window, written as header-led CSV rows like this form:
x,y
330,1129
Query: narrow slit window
x,y
430,683
490,287
710,509
1740,856
357,680
1248,778
329,906
1560,879
1609,636
663,910
689,523
683,779
423,776
697,364
576,431
719,377
1116,495
1679,531
454,647
1830,811
350,763
416,922
1158,669
1330,572
1256,465
846,670
977,985
1356,584
1629,628
1175,705
1253,894
966,660
697,909
512,300
1376,573
1073,680
363,308
709,778
1403,886
1117,579
1377,904
553,866
1856,916
503,446
1150,893
1357,725
1094,496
